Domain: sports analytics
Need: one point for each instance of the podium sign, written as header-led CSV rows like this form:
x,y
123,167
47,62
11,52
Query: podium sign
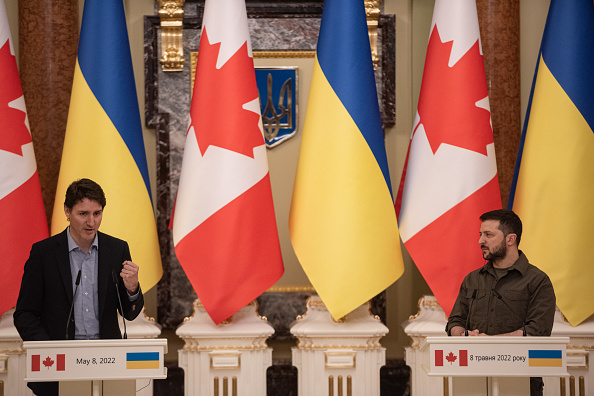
x,y
496,356
75,360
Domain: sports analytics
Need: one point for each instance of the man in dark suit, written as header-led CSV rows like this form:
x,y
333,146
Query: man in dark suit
x,y
50,280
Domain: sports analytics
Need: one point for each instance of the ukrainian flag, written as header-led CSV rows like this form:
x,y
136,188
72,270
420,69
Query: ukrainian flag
x,y
104,137
545,358
553,190
342,221
142,360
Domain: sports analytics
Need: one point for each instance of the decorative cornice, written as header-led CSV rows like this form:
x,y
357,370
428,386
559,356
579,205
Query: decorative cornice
x,y
225,344
316,343
198,306
585,347
10,348
283,54
424,303
373,14
171,14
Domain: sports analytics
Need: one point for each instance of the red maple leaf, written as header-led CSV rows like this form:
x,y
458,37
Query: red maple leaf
x,y
48,362
447,103
219,94
451,357
14,132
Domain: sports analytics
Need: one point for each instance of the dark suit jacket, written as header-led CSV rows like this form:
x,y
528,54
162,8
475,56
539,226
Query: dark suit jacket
x,y
46,290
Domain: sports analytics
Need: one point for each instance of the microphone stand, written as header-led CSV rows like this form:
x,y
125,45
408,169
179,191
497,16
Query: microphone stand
x,y
72,305
500,297
115,281
469,311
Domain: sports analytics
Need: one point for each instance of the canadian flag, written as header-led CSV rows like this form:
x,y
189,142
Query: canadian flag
x,y
451,358
55,362
450,176
224,225
22,214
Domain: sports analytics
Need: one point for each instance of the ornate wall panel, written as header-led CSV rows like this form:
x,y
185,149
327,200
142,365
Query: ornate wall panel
x,y
274,26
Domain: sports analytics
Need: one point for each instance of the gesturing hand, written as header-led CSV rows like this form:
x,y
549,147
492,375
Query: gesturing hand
x,y
129,274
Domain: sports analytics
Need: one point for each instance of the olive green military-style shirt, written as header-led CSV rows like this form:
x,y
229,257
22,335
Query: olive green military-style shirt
x,y
527,290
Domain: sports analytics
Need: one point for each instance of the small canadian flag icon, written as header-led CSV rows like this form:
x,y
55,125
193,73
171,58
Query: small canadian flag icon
x,y
453,358
48,362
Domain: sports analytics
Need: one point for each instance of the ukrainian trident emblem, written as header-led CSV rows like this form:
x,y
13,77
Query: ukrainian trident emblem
x,y
278,102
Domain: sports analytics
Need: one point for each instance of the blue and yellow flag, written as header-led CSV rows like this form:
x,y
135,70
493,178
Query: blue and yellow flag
x,y
553,190
342,221
142,360
545,358
104,137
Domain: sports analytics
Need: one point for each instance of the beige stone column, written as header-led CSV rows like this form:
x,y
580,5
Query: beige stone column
x,y
48,40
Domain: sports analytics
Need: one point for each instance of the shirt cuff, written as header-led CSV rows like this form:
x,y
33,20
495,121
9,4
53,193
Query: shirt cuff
x,y
133,297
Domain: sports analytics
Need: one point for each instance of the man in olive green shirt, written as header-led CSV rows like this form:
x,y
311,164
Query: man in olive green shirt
x,y
508,295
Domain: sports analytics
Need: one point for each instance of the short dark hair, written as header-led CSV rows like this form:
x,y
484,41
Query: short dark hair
x,y
81,189
509,222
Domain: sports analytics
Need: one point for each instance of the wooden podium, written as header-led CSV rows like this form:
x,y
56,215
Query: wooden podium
x,y
475,365
96,367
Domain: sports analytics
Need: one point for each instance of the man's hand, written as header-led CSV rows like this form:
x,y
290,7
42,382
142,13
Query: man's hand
x,y
517,333
457,331
460,331
129,274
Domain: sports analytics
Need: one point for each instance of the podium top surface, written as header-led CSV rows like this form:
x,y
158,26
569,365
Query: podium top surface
x,y
497,340
155,342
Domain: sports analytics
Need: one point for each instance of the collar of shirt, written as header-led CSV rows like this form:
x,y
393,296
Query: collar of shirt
x,y
73,245
520,265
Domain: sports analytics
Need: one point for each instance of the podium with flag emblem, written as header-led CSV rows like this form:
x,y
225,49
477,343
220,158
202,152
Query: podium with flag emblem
x,y
506,362
90,363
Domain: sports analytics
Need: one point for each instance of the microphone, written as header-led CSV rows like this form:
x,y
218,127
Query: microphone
x,y
500,297
115,282
469,311
72,305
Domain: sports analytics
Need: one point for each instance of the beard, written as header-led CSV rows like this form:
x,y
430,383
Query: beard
x,y
497,253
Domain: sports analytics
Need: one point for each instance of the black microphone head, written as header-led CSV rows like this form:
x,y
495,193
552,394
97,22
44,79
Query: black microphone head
x,y
114,276
474,293
78,277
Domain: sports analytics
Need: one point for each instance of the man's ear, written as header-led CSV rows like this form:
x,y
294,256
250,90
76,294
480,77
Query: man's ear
x,y
511,239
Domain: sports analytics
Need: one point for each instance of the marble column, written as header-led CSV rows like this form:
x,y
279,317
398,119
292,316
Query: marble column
x,y
48,40
500,36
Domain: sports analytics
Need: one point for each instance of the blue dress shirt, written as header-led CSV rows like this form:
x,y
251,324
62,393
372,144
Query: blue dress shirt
x,y
86,305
